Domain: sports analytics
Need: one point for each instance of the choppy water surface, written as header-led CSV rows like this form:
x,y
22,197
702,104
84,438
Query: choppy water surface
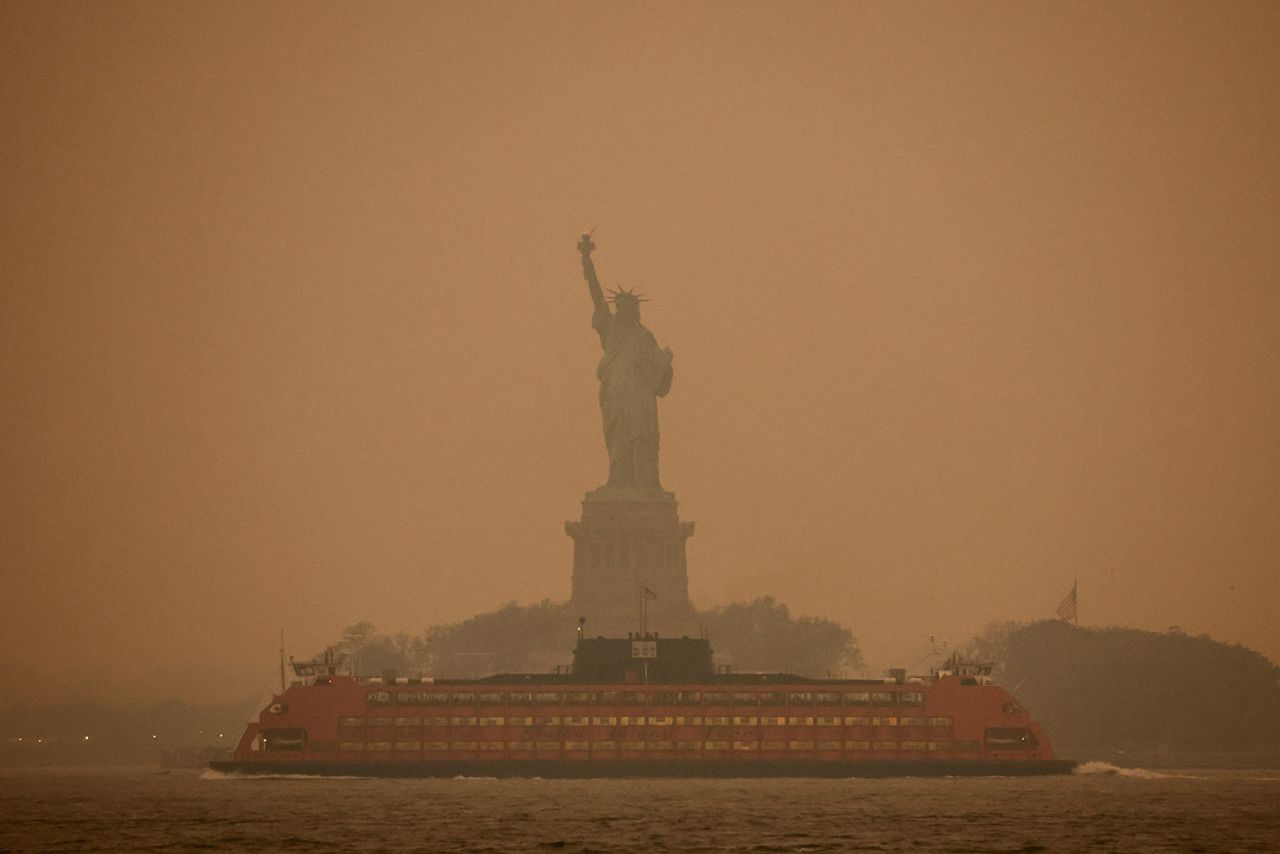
x,y
1102,809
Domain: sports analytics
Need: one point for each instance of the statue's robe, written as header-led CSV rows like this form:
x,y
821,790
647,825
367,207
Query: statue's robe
x,y
633,374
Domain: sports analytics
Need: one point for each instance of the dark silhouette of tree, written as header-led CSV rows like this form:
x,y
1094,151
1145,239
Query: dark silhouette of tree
x,y
1111,692
754,636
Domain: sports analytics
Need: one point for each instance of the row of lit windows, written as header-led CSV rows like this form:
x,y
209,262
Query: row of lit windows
x,y
650,720
801,744
652,698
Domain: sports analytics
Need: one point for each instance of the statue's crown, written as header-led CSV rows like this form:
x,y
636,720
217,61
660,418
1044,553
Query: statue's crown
x,y
624,294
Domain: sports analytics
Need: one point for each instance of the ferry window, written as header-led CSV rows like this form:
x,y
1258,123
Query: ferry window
x,y
378,745
662,698
857,698
773,698
577,745
464,699
492,699
379,698
379,721
800,745
632,698
715,698
859,721
911,698
884,721
492,745
519,698
722,720
715,745
773,720
349,746
436,721
913,745
662,745
825,698
884,745
462,721
800,698
604,721
633,745
882,698
284,739
350,721
744,745
744,720
795,721
547,698
968,745
547,721
857,745
1010,738
686,745
577,721
408,721
434,698
578,698
744,698
636,720
828,745
408,745
522,721
682,720
773,745
939,721
548,745
911,721
828,721
604,745
520,745
606,698
660,720
409,698
940,745
689,698
493,721
464,745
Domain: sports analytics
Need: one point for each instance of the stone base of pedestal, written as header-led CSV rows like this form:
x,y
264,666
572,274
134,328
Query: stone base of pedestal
x,y
624,544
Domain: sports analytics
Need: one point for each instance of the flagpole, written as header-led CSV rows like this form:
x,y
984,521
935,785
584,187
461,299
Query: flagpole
x,y
1075,595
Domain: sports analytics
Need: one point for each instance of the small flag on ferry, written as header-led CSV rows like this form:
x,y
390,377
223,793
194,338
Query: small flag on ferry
x,y
1067,610
649,594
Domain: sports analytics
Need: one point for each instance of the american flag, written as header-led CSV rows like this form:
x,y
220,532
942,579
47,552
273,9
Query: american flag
x,y
1067,608
649,594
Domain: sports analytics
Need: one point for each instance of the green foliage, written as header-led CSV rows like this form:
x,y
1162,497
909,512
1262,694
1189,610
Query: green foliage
x,y
755,636
514,638
763,636
1108,692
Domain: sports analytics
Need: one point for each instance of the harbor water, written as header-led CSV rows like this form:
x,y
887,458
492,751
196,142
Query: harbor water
x,y
1099,808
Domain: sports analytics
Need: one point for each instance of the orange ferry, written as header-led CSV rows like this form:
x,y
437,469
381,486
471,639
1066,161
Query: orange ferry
x,y
645,706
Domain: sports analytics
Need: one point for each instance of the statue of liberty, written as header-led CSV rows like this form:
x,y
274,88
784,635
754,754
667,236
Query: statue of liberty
x,y
633,374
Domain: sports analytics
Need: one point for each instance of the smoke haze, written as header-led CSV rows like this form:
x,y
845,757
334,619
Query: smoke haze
x,y
966,302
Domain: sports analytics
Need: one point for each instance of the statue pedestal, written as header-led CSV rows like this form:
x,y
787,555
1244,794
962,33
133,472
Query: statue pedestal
x,y
626,541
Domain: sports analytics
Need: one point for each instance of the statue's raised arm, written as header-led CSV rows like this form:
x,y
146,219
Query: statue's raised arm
x,y
589,273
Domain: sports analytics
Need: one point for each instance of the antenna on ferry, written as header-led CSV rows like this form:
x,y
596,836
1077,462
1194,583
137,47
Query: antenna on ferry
x,y
282,661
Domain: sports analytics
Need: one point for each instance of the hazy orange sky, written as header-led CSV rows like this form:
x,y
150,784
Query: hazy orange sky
x,y
966,300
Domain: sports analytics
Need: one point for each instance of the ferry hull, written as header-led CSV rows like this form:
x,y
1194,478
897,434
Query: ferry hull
x,y
585,769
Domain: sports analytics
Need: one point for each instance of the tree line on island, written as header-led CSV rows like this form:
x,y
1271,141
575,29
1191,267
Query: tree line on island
x,y
761,635
1123,695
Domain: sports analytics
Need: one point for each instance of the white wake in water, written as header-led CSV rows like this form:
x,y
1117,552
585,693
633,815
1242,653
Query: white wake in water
x,y
210,774
1099,767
